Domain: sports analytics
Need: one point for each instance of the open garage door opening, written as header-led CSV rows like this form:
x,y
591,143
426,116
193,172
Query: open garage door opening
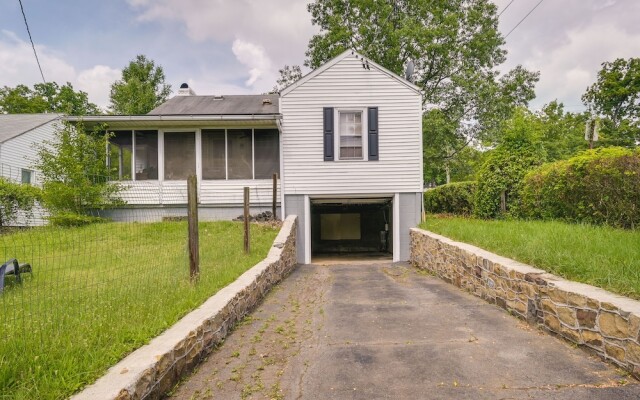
x,y
352,228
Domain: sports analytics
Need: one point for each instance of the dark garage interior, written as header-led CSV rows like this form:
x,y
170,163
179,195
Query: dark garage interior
x,y
361,226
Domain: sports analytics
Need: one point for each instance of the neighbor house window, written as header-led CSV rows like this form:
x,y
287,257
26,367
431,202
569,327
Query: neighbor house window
x,y
350,135
179,155
266,153
121,154
27,174
240,153
213,154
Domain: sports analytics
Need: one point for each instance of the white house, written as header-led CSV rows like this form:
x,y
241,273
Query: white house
x,y
346,141
18,134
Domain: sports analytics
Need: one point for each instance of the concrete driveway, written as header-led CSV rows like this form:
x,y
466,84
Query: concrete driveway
x,y
387,331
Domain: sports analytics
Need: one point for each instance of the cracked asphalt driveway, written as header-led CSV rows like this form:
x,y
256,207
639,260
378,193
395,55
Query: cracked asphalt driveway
x,y
388,331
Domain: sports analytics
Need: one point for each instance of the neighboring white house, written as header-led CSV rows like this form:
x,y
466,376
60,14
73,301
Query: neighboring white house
x,y
18,135
346,141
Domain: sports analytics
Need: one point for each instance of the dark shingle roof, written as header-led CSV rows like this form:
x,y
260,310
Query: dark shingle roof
x,y
219,105
12,125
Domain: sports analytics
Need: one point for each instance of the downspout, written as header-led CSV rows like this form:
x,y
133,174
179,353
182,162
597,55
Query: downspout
x,y
281,149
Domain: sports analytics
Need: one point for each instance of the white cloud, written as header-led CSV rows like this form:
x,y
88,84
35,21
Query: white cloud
x,y
254,57
18,66
97,82
263,35
568,41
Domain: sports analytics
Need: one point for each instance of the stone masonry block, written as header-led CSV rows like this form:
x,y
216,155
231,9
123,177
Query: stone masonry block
x,y
586,318
567,315
613,325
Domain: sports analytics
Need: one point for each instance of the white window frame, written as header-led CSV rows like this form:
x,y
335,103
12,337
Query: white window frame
x,y
22,171
133,154
365,130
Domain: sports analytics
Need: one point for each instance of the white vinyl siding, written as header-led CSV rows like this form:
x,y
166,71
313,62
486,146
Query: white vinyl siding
x,y
18,154
219,192
347,86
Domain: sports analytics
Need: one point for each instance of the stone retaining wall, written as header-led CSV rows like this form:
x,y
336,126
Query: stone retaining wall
x,y
152,370
605,322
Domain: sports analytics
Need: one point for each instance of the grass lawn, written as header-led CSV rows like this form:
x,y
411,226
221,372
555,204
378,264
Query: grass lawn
x,y
101,291
597,255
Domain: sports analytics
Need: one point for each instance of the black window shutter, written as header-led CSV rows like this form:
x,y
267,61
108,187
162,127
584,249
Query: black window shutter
x,y
328,133
373,133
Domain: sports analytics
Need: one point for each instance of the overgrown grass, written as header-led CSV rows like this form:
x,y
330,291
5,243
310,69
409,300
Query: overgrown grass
x,y
597,255
98,292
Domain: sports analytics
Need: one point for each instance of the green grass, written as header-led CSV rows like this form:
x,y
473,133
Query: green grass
x,y
101,291
596,255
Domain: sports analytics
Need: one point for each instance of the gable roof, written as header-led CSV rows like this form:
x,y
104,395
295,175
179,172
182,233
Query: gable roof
x,y
337,59
12,125
219,105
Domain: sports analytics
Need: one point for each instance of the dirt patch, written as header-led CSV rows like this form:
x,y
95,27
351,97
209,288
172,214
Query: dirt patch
x,y
256,358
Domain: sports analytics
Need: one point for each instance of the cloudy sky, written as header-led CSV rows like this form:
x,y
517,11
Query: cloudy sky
x,y
237,46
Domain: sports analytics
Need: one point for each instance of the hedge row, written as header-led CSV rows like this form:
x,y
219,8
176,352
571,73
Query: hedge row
x,y
598,186
454,198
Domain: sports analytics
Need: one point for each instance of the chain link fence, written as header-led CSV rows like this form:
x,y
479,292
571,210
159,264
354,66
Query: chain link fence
x,y
82,297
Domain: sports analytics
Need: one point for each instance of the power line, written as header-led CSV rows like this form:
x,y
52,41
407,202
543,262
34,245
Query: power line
x,y
30,39
505,9
525,17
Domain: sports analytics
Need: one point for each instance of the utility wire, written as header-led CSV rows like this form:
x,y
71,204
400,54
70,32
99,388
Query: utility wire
x,y
30,39
505,9
525,17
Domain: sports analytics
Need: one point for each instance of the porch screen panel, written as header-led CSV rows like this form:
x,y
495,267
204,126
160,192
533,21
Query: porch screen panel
x,y
146,155
266,153
213,154
179,155
121,154
240,162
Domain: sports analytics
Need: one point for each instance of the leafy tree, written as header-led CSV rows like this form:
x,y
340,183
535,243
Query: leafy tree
x,y
455,46
288,75
501,174
15,197
615,97
46,97
562,133
141,89
75,174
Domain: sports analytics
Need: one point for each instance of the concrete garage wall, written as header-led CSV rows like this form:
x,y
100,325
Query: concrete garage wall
x,y
294,205
149,372
608,324
410,215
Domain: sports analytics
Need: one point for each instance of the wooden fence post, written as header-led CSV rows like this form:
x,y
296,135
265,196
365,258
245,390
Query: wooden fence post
x,y
275,194
246,217
503,202
192,215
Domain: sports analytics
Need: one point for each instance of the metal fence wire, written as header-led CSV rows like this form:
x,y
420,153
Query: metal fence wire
x,y
93,293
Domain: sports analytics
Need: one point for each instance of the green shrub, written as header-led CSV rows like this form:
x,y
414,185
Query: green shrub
x,y
72,219
503,171
453,198
15,197
599,186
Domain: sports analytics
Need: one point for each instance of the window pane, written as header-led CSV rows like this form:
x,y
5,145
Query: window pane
x,y
213,163
239,153
267,153
120,153
179,155
350,135
26,176
146,155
